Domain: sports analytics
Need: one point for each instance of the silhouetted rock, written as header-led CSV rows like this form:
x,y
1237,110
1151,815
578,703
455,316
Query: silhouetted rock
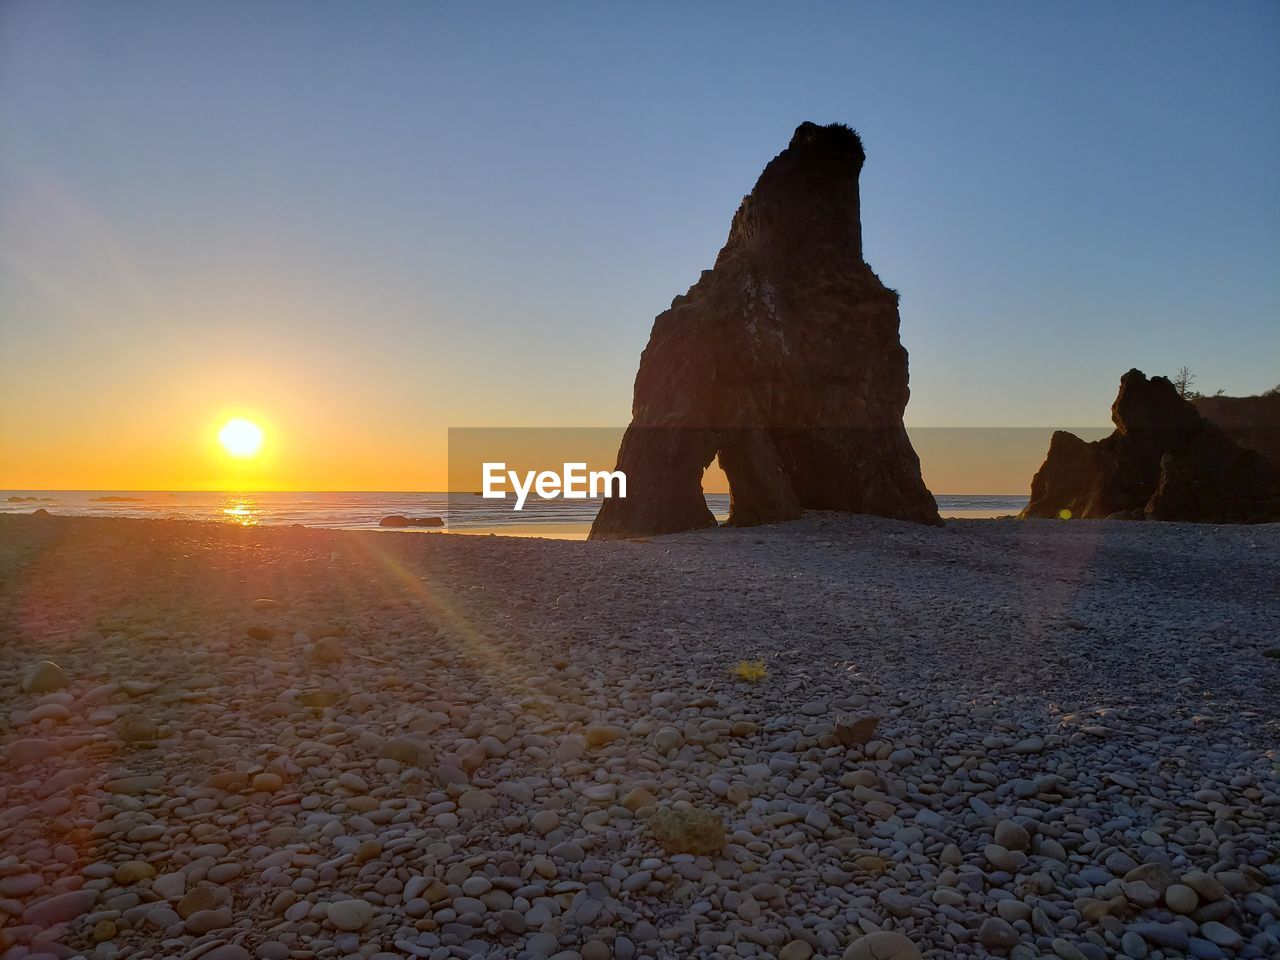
x,y
395,520
1252,422
784,361
1163,462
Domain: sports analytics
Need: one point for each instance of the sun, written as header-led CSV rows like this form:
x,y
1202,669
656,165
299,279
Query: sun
x,y
240,437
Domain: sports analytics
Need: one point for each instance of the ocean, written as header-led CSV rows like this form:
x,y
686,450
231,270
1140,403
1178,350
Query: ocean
x,y
461,512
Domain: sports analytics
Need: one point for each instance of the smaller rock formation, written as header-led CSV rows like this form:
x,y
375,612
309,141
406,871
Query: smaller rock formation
x,y
1163,462
395,520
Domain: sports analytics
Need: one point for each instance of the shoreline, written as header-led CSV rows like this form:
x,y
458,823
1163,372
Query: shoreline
x,y
363,511
330,742
545,530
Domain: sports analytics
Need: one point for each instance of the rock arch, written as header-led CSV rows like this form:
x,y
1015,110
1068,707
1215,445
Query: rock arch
x,y
783,360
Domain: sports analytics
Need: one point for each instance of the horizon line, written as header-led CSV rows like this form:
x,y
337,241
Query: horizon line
x,y
176,490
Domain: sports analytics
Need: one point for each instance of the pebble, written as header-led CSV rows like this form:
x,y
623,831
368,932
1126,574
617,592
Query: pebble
x,y
328,650
201,898
599,735
667,740
1205,885
206,921
1221,934
349,914
60,908
1166,935
600,793
132,871
31,750
44,676
1009,861
882,945
544,821
353,782
638,798
1181,898
135,729
518,767
134,786
1012,836
997,934
20,884
267,782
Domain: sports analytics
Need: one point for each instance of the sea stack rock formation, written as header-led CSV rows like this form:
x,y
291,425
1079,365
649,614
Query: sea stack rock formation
x,y
784,361
1163,462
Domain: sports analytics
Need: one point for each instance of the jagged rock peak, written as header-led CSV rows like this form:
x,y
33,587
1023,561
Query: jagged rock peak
x,y
805,200
1151,405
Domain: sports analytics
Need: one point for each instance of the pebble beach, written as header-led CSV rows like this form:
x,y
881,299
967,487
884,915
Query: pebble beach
x,y
843,737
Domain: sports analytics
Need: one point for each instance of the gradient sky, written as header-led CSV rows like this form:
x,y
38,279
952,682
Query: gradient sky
x,y
365,223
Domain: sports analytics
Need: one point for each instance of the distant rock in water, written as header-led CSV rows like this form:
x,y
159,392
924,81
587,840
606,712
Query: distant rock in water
x,y
784,361
1252,422
1163,462
119,500
395,520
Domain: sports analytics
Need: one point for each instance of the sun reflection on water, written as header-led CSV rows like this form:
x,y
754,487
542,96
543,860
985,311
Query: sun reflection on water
x,y
242,512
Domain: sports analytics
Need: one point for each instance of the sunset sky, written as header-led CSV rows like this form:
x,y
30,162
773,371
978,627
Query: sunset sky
x,y
358,226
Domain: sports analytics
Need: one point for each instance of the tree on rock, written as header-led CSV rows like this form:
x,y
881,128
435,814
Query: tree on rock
x,y
1182,381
